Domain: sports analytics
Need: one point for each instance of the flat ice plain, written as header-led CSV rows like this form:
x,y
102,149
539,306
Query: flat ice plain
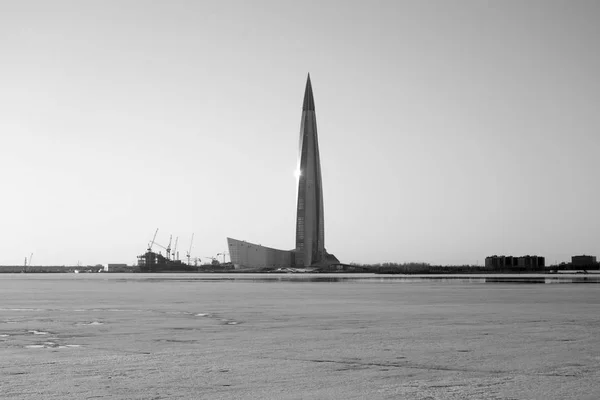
x,y
159,336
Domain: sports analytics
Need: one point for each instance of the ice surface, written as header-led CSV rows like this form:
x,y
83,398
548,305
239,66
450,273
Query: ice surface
x,y
291,340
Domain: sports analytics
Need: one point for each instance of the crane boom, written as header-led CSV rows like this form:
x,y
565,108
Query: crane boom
x,y
160,245
191,242
190,249
175,248
153,239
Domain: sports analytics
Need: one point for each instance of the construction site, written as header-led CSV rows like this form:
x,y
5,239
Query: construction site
x,y
152,261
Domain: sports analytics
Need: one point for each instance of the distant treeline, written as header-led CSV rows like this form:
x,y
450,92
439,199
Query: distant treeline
x,y
426,268
399,268
47,269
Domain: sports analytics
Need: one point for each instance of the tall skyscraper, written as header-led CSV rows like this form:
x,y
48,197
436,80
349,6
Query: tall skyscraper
x,y
310,230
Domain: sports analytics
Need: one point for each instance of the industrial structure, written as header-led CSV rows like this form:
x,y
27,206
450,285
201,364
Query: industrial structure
x,y
156,262
151,261
310,222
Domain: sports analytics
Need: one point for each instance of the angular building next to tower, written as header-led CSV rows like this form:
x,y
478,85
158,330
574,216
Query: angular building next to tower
x,y
310,222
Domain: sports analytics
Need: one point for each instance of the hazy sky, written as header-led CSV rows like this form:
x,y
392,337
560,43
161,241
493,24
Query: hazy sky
x,y
449,130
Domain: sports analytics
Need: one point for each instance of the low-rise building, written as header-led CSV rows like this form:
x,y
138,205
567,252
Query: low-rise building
x,y
117,268
583,260
246,255
523,263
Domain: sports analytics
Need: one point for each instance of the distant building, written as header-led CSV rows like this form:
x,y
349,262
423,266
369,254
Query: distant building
x,y
523,263
584,261
117,268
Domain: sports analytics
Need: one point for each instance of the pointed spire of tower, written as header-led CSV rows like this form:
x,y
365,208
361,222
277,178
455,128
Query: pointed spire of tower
x,y
309,101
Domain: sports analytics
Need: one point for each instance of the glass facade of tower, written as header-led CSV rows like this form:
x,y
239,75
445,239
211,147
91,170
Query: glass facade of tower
x,y
310,230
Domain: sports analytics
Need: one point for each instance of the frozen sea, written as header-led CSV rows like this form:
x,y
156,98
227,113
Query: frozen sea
x,y
201,336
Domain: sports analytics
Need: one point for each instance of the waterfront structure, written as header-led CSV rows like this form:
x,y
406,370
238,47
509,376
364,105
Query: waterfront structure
x,y
310,222
310,229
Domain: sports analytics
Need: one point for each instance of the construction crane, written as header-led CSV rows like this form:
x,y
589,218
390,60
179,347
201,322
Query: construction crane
x,y
175,255
27,263
168,249
162,247
152,242
190,250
